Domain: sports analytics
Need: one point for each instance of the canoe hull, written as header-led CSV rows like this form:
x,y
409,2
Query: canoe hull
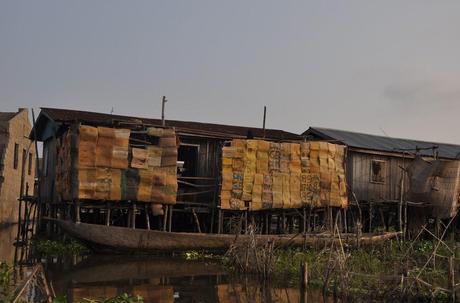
x,y
126,240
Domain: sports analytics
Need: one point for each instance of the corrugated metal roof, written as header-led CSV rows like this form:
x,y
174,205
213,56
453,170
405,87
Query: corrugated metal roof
x,y
387,144
198,128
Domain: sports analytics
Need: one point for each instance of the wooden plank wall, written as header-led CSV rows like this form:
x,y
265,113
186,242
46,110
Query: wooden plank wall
x,y
208,157
359,177
47,192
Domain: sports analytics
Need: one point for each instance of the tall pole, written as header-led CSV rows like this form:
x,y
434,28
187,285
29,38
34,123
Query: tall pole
x,y
265,116
163,111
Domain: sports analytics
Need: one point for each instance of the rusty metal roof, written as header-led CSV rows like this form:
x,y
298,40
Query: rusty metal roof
x,y
65,116
386,144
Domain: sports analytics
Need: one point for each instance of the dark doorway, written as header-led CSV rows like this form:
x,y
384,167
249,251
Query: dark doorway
x,y
188,159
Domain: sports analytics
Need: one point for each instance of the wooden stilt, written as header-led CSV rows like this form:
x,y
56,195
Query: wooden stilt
x,y
314,221
77,212
331,218
196,220
211,227
107,214
133,216
147,216
219,221
278,224
304,275
165,217
345,223
304,220
171,208
283,222
246,221
451,278
269,230
370,216
382,218
266,223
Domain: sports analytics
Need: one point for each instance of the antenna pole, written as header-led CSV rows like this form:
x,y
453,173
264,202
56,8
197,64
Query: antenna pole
x,y
163,111
265,116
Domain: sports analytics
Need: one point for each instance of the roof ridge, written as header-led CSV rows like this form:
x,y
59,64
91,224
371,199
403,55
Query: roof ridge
x,y
172,120
380,136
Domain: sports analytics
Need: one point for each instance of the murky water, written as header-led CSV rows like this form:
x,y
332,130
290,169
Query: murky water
x,y
164,280
155,279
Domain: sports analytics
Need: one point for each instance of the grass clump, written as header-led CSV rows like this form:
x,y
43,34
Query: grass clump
x,y
52,248
392,270
6,293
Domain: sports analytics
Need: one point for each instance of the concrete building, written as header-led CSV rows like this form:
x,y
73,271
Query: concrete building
x,y
17,162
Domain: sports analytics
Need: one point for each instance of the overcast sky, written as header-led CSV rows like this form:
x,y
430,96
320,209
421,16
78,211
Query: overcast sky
x,y
381,67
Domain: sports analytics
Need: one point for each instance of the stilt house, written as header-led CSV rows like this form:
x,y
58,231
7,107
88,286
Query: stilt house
x,y
378,171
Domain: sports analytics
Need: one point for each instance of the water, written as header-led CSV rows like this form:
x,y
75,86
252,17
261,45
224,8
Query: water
x,y
155,279
164,280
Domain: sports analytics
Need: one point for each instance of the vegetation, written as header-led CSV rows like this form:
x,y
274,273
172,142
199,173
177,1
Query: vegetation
x,y
6,293
394,270
51,248
199,255
124,298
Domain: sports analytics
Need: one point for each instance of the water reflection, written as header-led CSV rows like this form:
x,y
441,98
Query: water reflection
x,y
164,280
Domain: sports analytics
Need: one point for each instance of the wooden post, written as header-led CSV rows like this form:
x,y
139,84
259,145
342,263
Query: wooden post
x,y
330,218
283,222
370,217
147,215
345,223
263,124
133,216
267,227
245,221
304,275
358,233
196,220
219,221
314,221
451,276
163,101
165,217
77,212
304,220
278,226
403,219
211,227
170,218
382,218
107,215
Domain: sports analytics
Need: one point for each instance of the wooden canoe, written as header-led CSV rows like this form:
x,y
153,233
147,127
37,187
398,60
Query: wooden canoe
x,y
121,239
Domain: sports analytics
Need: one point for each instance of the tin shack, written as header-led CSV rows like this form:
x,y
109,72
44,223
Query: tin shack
x,y
391,178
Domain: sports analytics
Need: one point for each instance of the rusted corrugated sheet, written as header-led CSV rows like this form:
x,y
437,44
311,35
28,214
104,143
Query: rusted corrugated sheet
x,y
384,144
182,127
436,183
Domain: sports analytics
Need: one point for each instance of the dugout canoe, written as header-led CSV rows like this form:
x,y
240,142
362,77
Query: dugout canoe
x,y
111,239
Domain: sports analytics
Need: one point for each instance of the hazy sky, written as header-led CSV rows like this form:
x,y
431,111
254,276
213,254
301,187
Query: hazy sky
x,y
372,66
